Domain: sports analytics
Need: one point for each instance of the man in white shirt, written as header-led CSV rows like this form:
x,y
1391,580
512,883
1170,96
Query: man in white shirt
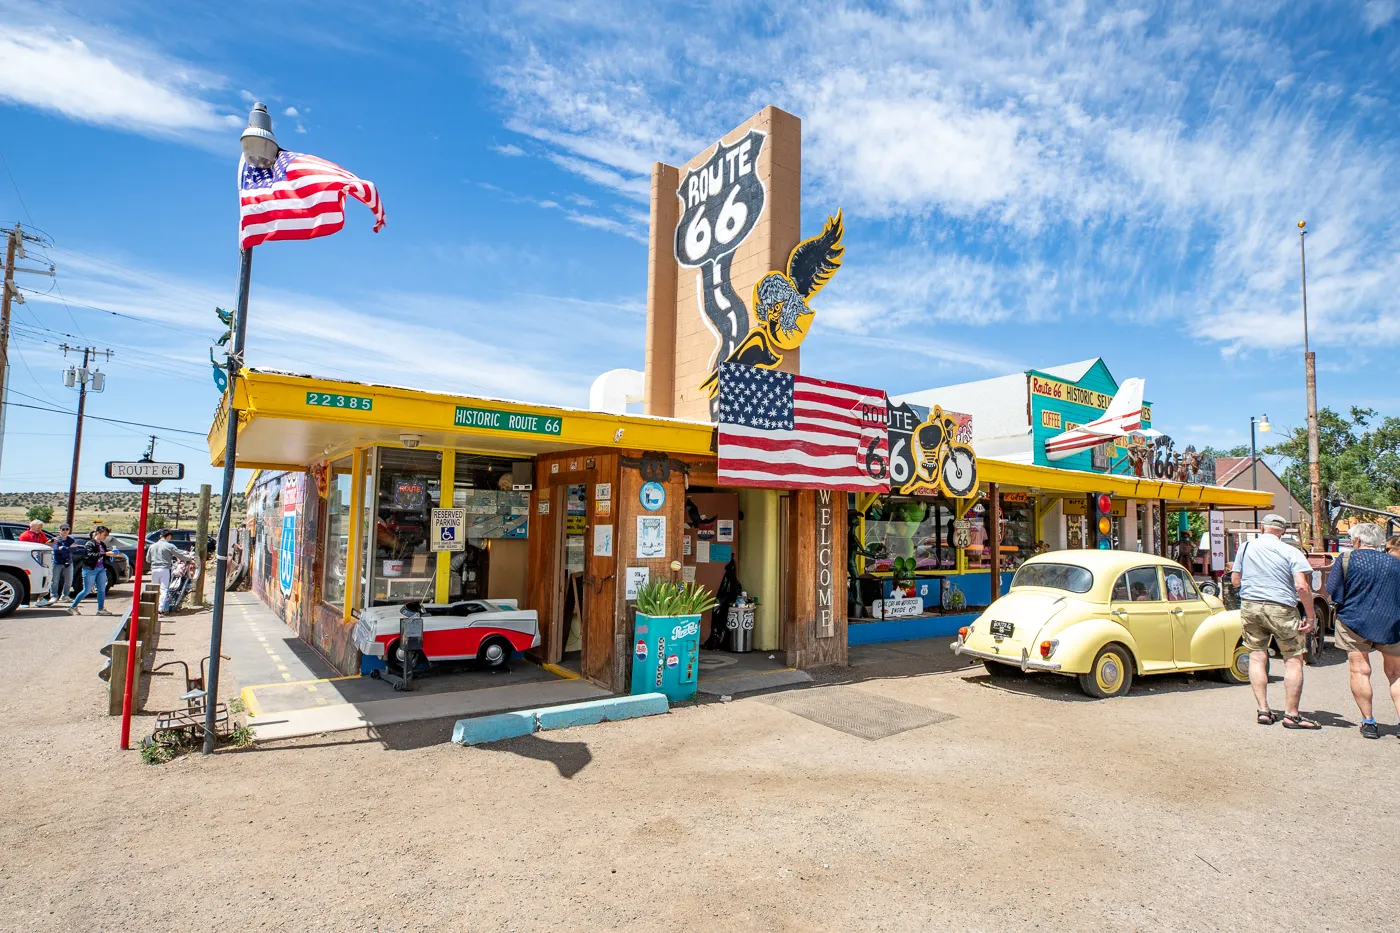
x,y
160,557
1272,578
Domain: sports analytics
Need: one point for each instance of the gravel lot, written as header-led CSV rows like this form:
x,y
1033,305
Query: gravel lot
x,y
1026,808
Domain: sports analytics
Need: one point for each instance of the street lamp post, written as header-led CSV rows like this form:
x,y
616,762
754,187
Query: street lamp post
x,y
1310,362
1263,422
259,149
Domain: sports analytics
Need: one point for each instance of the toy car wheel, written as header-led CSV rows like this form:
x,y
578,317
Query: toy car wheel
x,y
494,653
1111,674
392,662
1003,671
1238,671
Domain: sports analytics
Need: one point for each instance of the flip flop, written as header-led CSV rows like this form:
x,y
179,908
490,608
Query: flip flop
x,y
1265,717
1300,722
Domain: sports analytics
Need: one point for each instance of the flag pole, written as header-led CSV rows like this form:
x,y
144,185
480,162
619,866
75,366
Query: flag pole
x,y
216,624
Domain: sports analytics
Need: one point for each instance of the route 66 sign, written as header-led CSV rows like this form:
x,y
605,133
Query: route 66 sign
x,y
720,202
962,533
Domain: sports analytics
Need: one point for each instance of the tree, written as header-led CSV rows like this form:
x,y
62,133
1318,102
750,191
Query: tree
x,y
43,513
1358,460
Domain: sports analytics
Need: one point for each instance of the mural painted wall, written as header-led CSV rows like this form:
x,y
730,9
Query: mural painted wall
x,y
720,225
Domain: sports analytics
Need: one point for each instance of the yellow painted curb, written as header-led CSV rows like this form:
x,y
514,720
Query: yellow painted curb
x,y
293,683
558,671
250,703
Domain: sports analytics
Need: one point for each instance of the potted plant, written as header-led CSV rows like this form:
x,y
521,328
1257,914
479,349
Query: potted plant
x,y
667,649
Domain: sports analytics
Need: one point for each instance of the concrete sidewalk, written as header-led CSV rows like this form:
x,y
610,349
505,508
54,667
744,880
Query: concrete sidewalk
x,y
290,690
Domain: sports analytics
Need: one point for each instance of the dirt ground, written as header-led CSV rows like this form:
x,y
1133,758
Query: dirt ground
x,y
1029,808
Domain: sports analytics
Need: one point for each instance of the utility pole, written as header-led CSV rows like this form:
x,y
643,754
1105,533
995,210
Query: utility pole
x,y
14,248
201,535
82,378
1310,363
179,496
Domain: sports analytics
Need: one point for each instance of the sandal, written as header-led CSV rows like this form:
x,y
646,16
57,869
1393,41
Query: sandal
x,y
1265,717
1299,722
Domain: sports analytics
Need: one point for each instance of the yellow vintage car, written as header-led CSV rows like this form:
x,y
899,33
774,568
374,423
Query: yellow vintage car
x,y
1104,617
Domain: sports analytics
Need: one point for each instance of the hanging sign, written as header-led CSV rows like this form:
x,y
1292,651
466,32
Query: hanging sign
x,y
1217,540
449,530
653,496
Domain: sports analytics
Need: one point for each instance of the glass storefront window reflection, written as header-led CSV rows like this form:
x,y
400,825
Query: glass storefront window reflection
x,y
407,491
337,547
900,526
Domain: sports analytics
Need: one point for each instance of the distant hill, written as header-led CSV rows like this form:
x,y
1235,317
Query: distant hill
x,y
107,501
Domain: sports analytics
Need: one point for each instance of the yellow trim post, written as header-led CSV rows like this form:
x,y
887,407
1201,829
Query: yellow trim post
x,y
447,495
960,507
357,520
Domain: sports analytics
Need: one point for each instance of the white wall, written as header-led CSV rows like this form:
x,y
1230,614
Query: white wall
x,y
1053,526
999,410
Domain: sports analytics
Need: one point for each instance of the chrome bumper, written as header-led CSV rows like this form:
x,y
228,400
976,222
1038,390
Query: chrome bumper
x,y
1027,663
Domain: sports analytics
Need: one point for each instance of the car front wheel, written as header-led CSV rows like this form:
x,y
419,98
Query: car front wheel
x,y
1238,671
494,654
1111,674
11,593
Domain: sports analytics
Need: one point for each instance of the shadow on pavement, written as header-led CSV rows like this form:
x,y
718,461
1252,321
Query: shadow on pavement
x,y
569,757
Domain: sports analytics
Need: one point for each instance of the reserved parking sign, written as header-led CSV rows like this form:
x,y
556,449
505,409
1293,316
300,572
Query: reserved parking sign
x,y
449,530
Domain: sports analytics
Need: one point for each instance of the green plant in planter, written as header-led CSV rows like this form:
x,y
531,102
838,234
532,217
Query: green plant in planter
x,y
663,598
902,574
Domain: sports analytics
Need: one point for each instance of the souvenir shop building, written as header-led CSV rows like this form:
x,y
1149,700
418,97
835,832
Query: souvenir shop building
x,y
568,510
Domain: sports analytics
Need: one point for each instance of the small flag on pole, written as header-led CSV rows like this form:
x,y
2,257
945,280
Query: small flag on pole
x,y
298,197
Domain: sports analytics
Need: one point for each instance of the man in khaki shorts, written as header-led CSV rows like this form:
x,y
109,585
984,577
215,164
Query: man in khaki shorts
x,y
1365,586
1272,578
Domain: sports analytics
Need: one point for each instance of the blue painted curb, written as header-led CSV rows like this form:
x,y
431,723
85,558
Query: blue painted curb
x,y
494,728
502,726
609,709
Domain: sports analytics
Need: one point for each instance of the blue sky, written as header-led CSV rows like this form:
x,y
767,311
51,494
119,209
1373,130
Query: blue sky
x,y
1024,185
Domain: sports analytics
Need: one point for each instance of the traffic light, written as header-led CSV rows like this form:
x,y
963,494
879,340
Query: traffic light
x,y
1101,520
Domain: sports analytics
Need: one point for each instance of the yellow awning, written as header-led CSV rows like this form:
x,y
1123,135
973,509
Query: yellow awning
x,y
290,421
1051,480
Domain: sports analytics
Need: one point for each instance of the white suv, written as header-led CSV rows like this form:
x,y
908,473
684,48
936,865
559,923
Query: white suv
x,y
24,573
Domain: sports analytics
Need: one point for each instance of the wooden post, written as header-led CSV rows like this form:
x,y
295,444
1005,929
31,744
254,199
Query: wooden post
x,y
815,623
1161,527
201,535
994,539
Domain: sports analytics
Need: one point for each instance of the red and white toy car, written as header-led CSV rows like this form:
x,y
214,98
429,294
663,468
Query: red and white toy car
x,y
486,630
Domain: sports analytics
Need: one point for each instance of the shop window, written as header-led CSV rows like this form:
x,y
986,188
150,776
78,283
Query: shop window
x,y
901,526
1018,537
978,554
1179,585
337,545
1138,585
498,521
407,492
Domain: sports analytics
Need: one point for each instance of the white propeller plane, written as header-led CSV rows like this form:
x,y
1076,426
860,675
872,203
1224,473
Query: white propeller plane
x,y
1123,418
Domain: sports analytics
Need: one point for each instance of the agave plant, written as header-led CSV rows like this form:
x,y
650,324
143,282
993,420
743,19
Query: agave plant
x,y
663,598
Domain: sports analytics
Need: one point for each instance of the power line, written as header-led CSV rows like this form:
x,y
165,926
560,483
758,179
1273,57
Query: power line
x,y
140,424
6,163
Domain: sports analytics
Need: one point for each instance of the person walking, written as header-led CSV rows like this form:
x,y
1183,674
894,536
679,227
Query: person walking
x,y
64,547
161,556
35,533
94,565
1272,578
1365,587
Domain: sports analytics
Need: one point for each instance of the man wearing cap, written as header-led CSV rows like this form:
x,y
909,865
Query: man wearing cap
x,y
1272,578
161,556
1365,586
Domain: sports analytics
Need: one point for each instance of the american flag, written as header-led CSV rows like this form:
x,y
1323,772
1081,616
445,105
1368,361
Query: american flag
x,y
298,197
783,431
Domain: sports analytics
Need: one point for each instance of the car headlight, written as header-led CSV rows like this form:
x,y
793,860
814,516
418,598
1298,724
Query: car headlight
x,y
41,556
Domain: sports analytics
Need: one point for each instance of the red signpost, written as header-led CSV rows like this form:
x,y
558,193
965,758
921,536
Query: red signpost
x,y
144,473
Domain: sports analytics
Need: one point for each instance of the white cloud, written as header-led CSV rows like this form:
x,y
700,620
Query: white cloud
x,y
1378,13
509,149
291,112
103,78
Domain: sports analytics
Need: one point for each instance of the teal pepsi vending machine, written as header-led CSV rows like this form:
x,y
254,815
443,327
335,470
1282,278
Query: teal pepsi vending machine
x,y
666,656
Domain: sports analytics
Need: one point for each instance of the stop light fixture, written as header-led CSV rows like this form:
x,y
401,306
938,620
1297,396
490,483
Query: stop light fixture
x,y
1101,519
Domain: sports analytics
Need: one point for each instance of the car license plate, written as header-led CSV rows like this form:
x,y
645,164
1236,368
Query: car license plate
x,y
1003,629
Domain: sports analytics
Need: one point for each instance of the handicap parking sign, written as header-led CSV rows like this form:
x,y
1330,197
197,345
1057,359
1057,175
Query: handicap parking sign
x,y
449,529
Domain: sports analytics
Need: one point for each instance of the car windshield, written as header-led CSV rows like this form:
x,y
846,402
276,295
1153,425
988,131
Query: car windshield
x,y
1055,576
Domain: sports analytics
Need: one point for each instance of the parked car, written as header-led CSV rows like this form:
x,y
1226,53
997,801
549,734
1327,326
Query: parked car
x,y
124,544
489,631
182,538
1104,617
24,573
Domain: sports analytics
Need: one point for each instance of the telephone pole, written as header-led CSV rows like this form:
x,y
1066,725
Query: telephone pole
x,y
14,248
82,377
